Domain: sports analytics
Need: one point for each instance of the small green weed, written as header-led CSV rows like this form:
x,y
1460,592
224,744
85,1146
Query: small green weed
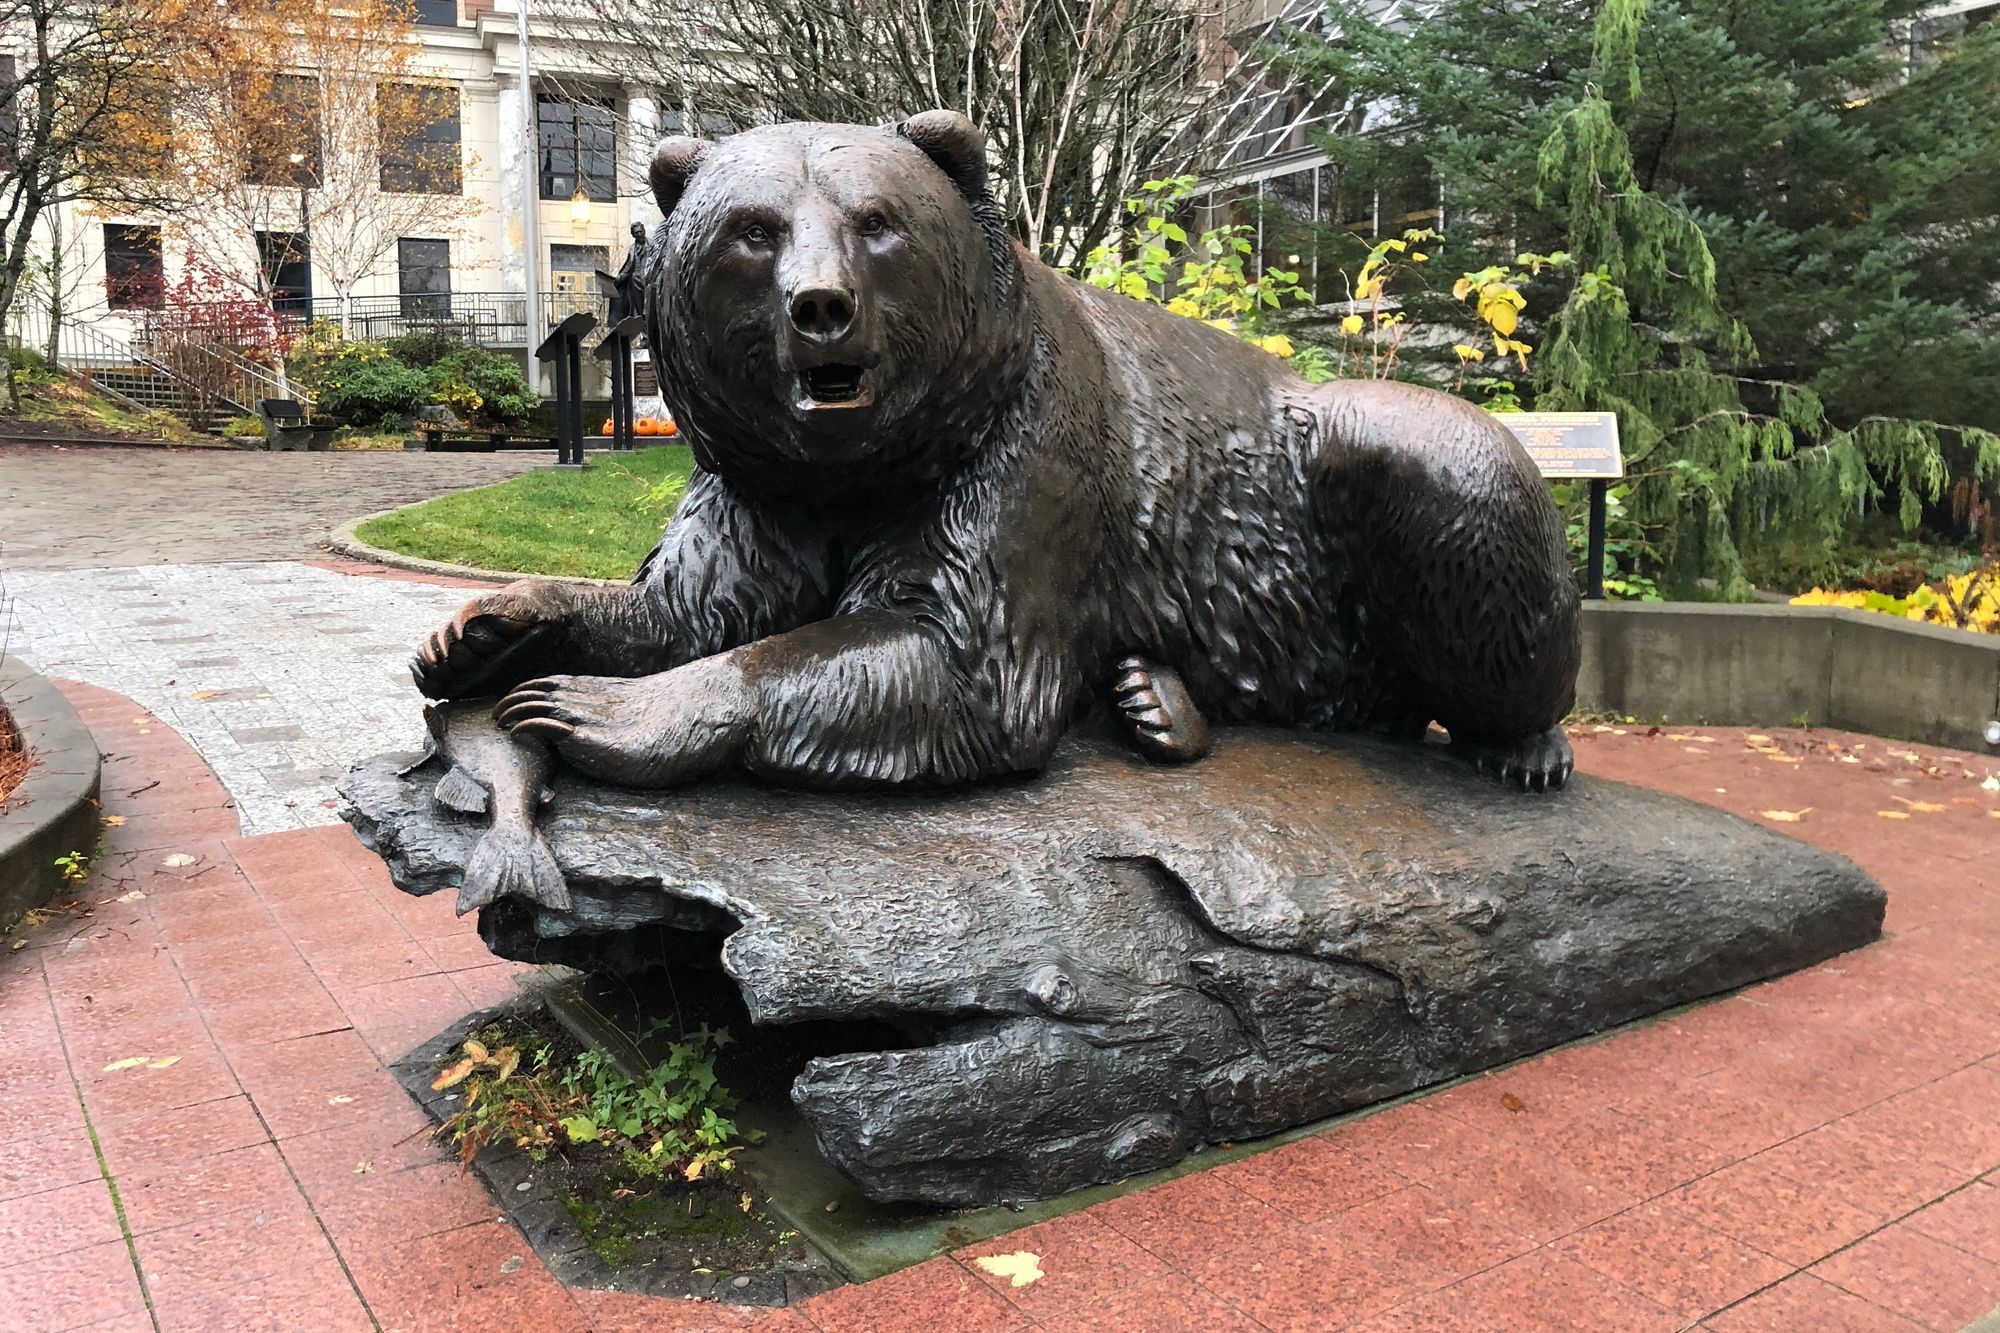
x,y
673,1121
73,866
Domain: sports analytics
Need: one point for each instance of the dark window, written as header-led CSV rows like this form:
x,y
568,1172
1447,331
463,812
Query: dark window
x,y
579,147
290,129
134,278
423,276
287,271
419,125
1411,200
132,139
437,13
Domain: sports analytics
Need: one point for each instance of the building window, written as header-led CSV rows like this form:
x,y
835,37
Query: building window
x,y
437,13
283,148
579,146
423,276
573,281
287,269
419,130
134,277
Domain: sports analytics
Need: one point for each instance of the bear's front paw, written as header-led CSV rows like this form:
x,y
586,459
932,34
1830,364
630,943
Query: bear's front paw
x,y
650,731
1534,763
489,640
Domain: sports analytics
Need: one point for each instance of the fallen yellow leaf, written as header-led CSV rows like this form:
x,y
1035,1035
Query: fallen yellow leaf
x,y
452,1076
1893,814
167,1063
1777,758
1756,740
477,1050
206,694
1787,816
1512,1103
1921,807
129,1062
1020,1268
693,1170
113,821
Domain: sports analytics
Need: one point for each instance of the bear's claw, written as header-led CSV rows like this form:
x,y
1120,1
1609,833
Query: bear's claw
x,y
1534,763
1158,711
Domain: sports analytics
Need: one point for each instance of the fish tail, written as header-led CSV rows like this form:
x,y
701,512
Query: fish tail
x,y
512,862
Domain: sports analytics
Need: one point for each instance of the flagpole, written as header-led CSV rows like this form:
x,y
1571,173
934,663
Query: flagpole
x,y
531,246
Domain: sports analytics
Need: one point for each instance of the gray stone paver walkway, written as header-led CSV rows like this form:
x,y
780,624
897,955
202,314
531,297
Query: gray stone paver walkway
x,y
280,674
90,507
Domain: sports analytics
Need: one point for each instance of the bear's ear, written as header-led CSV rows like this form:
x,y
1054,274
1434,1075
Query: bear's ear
x,y
674,162
955,144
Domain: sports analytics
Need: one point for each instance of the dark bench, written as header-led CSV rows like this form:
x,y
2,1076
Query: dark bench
x,y
286,426
437,440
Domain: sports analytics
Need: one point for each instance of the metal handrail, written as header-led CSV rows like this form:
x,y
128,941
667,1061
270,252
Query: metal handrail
x,y
86,352
247,382
481,318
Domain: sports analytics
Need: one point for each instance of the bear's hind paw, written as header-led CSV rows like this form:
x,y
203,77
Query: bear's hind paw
x,y
1158,712
1541,762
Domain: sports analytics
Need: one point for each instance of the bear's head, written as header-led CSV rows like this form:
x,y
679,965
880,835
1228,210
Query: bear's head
x,y
833,305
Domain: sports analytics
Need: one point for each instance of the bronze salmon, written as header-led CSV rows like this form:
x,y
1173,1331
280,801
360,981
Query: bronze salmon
x,y
494,774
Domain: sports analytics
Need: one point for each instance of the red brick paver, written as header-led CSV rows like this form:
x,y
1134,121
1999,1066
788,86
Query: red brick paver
x,y
1816,1153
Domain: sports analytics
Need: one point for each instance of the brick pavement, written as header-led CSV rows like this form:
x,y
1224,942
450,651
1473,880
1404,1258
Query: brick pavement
x,y
81,507
1815,1153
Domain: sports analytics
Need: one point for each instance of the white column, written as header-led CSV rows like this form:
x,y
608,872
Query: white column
x,y
642,130
516,169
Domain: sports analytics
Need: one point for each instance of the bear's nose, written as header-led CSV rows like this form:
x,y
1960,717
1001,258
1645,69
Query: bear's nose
x,y
823,314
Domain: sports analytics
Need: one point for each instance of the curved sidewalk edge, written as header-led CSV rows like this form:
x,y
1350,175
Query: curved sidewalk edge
x,y
342,541
54,810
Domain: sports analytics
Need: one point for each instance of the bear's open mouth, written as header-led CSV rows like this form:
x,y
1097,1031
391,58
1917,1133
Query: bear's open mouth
x,y
834,386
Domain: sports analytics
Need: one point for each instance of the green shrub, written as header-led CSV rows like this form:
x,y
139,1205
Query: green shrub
x,y
483,386
243,428
425,347
313,352
364,383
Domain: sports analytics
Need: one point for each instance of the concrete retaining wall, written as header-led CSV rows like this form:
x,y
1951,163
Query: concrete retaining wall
x,y
54,811
1767,666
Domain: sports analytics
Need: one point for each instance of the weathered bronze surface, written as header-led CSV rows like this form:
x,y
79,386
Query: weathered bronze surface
x,y
944,492
946,501
1101,968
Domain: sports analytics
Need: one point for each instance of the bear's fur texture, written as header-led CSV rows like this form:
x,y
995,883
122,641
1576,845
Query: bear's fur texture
x,y
946,497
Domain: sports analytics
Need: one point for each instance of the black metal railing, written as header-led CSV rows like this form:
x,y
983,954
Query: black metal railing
x,y
485,319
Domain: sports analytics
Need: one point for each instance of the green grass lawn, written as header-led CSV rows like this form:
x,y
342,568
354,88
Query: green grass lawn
x,y
596,523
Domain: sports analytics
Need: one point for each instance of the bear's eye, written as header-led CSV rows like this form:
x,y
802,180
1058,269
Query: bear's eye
x,y
873,224
757,234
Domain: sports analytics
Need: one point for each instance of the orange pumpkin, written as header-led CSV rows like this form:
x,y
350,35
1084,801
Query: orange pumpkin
x,y
607,427
645,426
670,427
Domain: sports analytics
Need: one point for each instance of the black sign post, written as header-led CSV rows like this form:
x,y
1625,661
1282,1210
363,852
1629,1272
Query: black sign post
x,y
617,350
1578,446
563,349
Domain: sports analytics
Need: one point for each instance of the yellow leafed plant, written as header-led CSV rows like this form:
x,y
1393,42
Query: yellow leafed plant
x,y
1969,601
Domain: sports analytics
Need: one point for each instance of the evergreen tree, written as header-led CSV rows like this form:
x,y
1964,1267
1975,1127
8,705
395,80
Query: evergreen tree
x,y
1843,228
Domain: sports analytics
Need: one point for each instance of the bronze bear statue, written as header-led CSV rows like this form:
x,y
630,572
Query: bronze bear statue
x,y
946,497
